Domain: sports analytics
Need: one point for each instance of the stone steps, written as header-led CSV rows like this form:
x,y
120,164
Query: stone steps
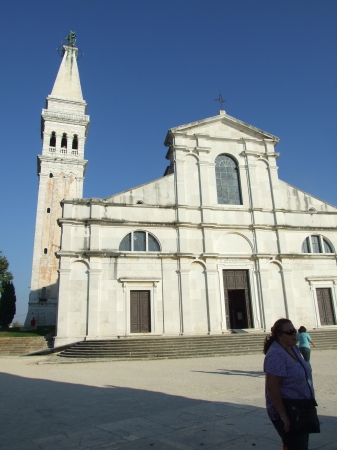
x,y
13,346
183,347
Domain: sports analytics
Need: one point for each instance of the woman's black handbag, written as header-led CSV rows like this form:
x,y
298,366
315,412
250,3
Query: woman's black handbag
x,y
302,415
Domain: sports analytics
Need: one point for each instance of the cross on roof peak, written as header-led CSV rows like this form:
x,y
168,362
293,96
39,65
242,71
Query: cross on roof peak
x,y
221,100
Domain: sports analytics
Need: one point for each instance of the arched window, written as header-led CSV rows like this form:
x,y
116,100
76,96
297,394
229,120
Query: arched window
x,y
227,181
139,241
125,244
52,142
327,246
153,245
316,244
45,251
64,141
48,210
75,142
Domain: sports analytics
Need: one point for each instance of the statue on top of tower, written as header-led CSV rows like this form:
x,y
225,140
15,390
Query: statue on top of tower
x,y
71,38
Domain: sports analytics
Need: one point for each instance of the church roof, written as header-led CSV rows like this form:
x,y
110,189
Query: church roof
x,y
67,84
222,117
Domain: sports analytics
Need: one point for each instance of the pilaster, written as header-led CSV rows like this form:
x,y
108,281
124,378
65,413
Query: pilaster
x,y
94,303
186,307
252,181
213,297
180,179
289,294
62,309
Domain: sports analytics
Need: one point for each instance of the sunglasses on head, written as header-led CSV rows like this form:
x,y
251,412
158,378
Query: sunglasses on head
x,y
290,332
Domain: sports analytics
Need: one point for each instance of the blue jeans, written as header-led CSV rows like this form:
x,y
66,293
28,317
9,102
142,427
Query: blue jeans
x,y
305,351
292,441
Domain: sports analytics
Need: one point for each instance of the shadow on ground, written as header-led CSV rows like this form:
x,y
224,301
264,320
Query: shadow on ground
x,y
39,414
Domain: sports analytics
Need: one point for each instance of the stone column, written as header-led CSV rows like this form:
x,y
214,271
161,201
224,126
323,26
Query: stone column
x,y
79,186
183,234
266,307
66,236
315,306
125,309
334,297
204,183
273,175
213,298
154,309
206,213
208,240
289,301
254,296
186,310
93,314
62,310
252,180
180,179
94,237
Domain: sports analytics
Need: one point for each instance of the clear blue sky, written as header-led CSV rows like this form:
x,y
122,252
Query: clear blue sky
x,y
150,65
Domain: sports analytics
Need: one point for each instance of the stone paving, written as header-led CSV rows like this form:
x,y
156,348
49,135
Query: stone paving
x,y
203,403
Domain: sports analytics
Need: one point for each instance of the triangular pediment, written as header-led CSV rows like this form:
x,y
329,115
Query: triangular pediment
x,y
221,126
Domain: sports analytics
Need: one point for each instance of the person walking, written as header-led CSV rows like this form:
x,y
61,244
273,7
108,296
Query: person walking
x,y
304,340
288,376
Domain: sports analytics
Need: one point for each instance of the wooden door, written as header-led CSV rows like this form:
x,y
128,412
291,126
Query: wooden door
x,y
325,306
237,280
140,317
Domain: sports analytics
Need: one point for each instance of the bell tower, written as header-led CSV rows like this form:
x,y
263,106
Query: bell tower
x,y
60,168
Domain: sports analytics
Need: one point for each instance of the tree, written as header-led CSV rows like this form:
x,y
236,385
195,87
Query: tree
x,y
5,275
7,304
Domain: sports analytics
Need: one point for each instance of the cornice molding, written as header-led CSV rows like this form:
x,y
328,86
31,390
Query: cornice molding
x,y
66,100
236,208
260,155
57,159
220,258
139,280
202,225
64,117
203,149
324,278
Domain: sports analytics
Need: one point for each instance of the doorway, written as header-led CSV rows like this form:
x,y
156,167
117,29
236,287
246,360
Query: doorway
x,y
325,308
140,317
237,308
237,299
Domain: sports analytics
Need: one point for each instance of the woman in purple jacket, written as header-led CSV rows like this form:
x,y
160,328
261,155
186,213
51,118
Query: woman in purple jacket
x,y
288,376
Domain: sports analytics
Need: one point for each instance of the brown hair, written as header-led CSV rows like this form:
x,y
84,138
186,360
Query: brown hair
x,y
302,329
275,331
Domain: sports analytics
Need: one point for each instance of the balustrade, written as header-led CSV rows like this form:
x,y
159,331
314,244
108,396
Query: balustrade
x,y
64,151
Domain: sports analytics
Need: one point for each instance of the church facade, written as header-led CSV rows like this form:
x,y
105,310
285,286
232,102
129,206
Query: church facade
x,y
218,243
